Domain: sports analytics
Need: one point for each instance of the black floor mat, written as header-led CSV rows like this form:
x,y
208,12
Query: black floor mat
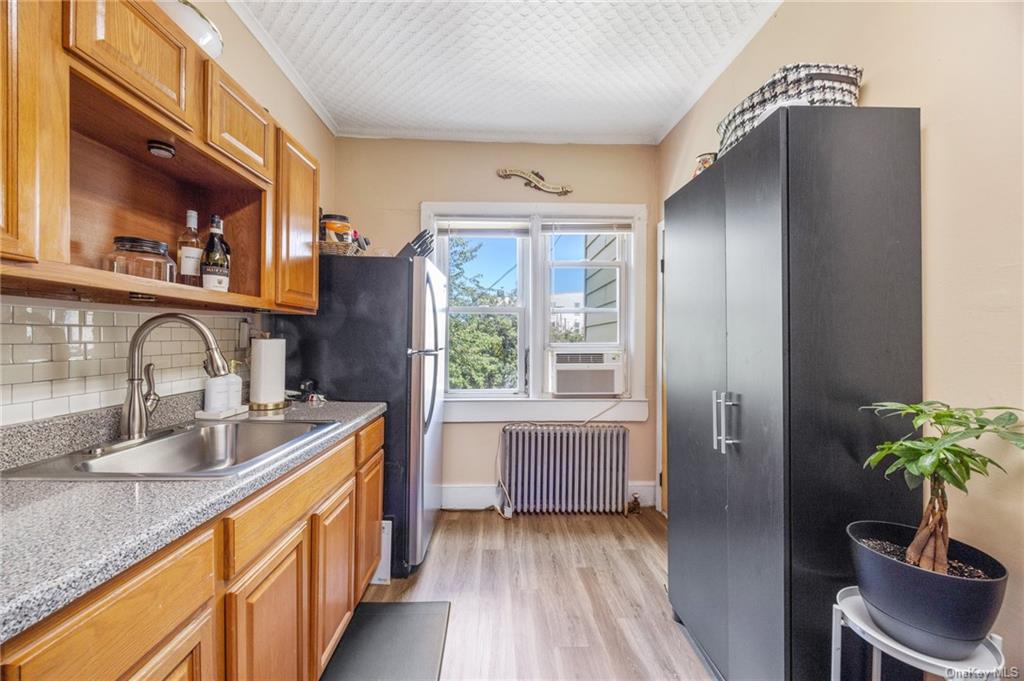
x,y
391,641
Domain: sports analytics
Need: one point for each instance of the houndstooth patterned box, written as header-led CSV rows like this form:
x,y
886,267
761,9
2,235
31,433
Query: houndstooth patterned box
x,y
813,84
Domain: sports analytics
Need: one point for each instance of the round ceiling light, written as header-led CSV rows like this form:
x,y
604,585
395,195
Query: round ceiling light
x,y
160,149
195,24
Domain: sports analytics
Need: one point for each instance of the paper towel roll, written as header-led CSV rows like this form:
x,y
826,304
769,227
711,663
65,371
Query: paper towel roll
x,y
266,385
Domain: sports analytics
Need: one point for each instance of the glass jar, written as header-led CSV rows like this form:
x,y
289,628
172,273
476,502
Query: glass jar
x,y
141,258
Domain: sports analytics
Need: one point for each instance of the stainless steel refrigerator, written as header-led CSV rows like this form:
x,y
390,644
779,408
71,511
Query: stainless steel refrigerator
x,y
379,335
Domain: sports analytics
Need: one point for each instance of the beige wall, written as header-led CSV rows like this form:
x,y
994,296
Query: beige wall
x,y
961,64
381,183
246,61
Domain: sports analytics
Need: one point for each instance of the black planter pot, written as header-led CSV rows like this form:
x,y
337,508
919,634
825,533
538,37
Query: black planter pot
x,y
939,615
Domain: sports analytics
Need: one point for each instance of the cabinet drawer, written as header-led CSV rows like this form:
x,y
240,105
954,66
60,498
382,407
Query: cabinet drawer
x,y
369,440
236,123
256,524
136,45
118,628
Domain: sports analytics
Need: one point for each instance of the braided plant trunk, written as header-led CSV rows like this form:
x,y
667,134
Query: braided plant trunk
x,y
930,547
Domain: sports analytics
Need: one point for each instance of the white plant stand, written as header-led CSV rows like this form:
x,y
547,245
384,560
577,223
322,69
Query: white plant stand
x,y
986,662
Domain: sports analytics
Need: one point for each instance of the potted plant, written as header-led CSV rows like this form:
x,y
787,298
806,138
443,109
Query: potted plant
x,y
935,594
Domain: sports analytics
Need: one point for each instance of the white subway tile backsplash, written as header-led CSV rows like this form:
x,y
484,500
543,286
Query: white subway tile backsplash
x,y
83,367
95,384
67,317
32,315
113,334
16,334
15,413
113,366
46,371
83,402
28,354
30,392
58,358
97,317
111,397
45,409
51,334
70,386
66,351
15,373
99,350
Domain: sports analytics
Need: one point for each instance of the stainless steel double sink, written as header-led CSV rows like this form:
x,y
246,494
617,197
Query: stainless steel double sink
x,y
198,450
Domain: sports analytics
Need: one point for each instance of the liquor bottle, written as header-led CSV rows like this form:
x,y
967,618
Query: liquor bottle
x,y
216,262
190,251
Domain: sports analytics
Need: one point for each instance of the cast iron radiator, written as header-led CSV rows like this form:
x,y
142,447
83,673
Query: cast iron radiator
x,y
564,468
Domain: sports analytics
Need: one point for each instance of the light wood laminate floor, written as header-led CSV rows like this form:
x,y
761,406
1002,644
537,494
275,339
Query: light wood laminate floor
x,y
552,597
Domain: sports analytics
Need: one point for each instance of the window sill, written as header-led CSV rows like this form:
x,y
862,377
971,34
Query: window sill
x,y
507,409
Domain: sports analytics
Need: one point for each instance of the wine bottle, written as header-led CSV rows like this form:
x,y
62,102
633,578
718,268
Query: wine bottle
x,y
215,265
190,251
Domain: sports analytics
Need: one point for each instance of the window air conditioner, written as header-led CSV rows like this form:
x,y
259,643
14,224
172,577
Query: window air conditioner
x,y
587,373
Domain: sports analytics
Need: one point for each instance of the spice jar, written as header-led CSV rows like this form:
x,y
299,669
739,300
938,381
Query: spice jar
x,y
141,258
336,228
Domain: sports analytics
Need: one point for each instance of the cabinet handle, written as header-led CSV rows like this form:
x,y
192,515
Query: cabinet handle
x,y
714,419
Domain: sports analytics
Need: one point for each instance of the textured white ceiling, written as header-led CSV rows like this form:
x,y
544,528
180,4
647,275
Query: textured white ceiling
x,y
608,72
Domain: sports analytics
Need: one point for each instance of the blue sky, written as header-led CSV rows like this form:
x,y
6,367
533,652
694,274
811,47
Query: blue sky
x,y
496,259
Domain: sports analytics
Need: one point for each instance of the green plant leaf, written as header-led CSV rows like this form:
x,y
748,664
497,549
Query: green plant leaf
x,y
913,481
896,465
949,476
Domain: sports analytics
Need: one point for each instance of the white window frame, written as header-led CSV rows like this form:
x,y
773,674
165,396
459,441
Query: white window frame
x,y
535,404
521,312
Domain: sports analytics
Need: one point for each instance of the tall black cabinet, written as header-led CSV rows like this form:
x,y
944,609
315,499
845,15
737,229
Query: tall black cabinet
x,y
793,297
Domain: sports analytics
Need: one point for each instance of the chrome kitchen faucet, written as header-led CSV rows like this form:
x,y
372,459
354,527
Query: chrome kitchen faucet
x,y
138,406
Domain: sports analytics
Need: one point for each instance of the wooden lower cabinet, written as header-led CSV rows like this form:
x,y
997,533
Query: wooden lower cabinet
x,y
267,615
264,591
333,552
188,656
369,513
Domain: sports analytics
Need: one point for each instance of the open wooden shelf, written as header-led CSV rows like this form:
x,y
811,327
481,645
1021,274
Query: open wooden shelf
x,y
57,280
119,189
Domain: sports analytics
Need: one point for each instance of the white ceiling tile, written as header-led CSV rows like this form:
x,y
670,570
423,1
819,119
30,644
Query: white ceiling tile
x,y
586,72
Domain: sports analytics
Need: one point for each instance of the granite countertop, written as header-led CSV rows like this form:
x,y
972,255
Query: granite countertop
x,y
59,540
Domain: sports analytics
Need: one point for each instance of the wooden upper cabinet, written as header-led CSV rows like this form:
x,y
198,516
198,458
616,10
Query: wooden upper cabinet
x,y
268,615
296,249
237,124
19,225
333,529
369,513
136,45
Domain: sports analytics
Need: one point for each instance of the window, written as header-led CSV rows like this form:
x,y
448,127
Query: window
x,y
522,287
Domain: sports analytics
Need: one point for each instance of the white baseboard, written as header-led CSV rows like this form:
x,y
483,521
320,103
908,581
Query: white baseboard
x,y
470,497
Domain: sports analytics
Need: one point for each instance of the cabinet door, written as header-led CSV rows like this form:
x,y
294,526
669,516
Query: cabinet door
x,y
755,254
19,227
370,505
695,366
189,656
333,528
140,48
236,123
295,240
267,615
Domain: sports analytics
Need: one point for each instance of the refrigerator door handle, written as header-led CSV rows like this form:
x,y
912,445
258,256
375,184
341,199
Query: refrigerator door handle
x,y
727,400
714,419
433,396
